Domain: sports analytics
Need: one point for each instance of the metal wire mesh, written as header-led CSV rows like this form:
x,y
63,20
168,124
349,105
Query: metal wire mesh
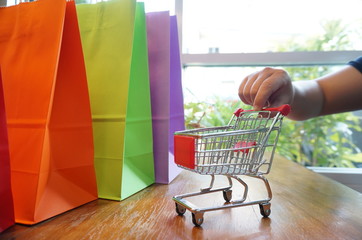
x,y
239,147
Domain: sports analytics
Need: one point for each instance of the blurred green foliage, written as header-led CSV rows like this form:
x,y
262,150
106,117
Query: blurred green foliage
x,y
216,113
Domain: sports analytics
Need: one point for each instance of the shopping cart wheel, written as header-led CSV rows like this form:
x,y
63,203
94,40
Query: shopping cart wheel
x,y
180,209
228,194
265,209
197,219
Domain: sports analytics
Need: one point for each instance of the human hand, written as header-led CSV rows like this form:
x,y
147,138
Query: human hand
x,y
269,87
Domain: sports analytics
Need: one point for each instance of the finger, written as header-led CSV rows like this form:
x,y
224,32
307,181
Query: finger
x,y
280,97
255,88
252,88
253,83
268,88
241,90
244,89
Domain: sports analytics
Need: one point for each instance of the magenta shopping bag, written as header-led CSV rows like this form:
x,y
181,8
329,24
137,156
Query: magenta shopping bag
x,y
166,91
6,199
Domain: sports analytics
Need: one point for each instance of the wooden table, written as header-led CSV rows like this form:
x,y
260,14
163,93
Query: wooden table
x,y
305,205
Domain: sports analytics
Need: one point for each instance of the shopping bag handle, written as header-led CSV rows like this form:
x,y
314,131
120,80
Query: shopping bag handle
x,y
283,109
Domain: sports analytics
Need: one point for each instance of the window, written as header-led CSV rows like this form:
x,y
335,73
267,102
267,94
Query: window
x,y
223,41
234,26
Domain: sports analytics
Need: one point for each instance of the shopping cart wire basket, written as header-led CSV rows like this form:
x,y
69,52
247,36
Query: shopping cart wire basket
x,y
235,149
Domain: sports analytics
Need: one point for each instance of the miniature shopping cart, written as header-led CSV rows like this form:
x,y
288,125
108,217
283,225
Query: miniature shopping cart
x,y
235,149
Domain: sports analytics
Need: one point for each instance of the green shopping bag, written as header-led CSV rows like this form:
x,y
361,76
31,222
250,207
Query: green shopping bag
x,y
115,48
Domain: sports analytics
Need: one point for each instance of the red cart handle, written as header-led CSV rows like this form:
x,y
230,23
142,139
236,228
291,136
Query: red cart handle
x,y
284,110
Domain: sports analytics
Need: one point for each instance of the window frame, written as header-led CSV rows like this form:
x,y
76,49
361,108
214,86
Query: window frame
x,y
270,58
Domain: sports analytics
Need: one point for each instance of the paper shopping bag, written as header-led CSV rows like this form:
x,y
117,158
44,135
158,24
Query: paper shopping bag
x,y
6,198
166,91
48,109
138,162
114,42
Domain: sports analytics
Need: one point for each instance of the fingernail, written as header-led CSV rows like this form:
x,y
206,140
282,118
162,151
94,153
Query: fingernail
x,y
267,104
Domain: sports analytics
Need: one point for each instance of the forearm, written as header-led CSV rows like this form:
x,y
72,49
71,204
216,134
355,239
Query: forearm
x,y
334,93
342,91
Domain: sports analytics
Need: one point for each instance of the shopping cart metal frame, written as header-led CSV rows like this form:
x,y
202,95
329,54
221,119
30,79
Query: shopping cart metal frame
x,y
232,150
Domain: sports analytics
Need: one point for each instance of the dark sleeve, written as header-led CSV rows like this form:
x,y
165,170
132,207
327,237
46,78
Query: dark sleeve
x,y
357,64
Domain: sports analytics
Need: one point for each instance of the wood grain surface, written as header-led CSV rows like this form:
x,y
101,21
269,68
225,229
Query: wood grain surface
x,y
305,205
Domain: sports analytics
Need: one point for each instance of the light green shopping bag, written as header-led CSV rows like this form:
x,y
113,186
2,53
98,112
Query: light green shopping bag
x,y
115,48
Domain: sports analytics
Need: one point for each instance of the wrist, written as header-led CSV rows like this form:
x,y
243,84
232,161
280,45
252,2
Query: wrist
x,y
307,100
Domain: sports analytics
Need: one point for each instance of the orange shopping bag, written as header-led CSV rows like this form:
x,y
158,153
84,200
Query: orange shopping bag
x,y
48,109
6,198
